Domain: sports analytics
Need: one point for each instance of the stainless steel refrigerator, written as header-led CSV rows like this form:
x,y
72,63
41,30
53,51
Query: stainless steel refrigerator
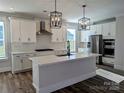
x,y
97,46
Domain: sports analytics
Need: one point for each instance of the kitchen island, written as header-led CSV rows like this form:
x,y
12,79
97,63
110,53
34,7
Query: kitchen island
x,y
52,72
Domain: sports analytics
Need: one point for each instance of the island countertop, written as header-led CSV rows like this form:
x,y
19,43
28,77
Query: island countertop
x,y
52,59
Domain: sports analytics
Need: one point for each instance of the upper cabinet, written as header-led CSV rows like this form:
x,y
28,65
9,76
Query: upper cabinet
x,y
97,29
85,36
59,35
47,25
23,31
109,29
15,30
106,29
113,29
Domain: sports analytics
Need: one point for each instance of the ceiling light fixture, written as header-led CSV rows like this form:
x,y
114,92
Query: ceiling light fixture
x,y
84,23
11,8
55,19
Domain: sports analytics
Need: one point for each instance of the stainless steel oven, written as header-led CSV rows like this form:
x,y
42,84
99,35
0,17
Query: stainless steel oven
x,y
109,48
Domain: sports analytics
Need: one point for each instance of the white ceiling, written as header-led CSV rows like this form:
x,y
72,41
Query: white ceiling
x,y
72,10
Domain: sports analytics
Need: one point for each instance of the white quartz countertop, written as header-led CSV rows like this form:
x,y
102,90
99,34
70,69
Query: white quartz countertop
x,y
23,52
52,59
28,52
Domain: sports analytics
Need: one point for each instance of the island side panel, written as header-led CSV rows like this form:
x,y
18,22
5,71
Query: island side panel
x,y
56,76
35,74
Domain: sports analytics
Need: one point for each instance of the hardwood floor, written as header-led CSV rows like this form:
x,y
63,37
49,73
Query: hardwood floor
x,y
22,83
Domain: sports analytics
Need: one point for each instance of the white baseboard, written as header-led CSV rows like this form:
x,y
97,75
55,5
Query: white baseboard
x,y
5,69
63,84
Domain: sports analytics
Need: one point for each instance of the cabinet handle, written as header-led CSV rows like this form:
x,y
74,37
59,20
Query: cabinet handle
x,y
29,39
35,54
17,56
109,33
21,60
57,39
28,55
19,39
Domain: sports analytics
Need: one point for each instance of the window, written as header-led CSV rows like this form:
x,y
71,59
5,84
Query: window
x,y
2,41
71,36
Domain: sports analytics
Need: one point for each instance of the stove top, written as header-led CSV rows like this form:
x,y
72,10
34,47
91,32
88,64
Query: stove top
x,y
39,50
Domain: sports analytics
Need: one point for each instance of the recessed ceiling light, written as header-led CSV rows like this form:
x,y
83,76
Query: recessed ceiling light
x,y
11,8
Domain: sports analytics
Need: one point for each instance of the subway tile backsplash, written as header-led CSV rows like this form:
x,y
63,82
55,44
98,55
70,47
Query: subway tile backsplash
x,y
43,41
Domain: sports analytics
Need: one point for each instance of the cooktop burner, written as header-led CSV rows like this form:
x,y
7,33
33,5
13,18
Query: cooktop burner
x,y
38,50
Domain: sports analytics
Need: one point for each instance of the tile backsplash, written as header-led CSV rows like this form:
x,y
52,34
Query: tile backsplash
x,y
43,41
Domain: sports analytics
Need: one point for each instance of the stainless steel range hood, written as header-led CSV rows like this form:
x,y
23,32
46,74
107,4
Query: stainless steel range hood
x,y
43,29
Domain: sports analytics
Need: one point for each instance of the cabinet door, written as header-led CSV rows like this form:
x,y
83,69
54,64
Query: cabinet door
x,y
113,29
60,34
32,31
85,36
16,63
106,29
98,29
47,26
28,31
15,30
55,35
24,27
64,34
27,64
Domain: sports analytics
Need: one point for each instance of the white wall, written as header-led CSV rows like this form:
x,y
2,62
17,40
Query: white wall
x,y
119,44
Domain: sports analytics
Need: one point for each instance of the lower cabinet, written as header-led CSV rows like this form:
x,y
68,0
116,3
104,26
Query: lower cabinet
x,y
108,60
16,63
26,64
21,62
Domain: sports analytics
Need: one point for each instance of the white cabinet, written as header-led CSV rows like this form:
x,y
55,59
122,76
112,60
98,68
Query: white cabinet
x,y
97,29
108,60
23,30
15,30
85,36
109,29
55,35
59,35
106,29
28,31
16,63
47,25
64,34
21,62
113,28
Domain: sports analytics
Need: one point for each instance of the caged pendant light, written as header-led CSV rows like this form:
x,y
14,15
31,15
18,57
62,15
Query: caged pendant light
x,y
84,23
55,19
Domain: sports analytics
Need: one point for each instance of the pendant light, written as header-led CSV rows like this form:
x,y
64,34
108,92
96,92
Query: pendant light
x,y
55,19
84,23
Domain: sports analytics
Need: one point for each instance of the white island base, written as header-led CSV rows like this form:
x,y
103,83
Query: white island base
x,y
51,73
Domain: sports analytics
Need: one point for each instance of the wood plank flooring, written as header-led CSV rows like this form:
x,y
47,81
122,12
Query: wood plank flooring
x,y
22,83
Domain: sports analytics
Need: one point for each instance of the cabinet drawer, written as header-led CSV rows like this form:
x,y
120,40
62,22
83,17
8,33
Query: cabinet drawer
x,y
108,60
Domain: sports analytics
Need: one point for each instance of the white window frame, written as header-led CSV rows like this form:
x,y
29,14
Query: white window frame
x,y
75,38
3,19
